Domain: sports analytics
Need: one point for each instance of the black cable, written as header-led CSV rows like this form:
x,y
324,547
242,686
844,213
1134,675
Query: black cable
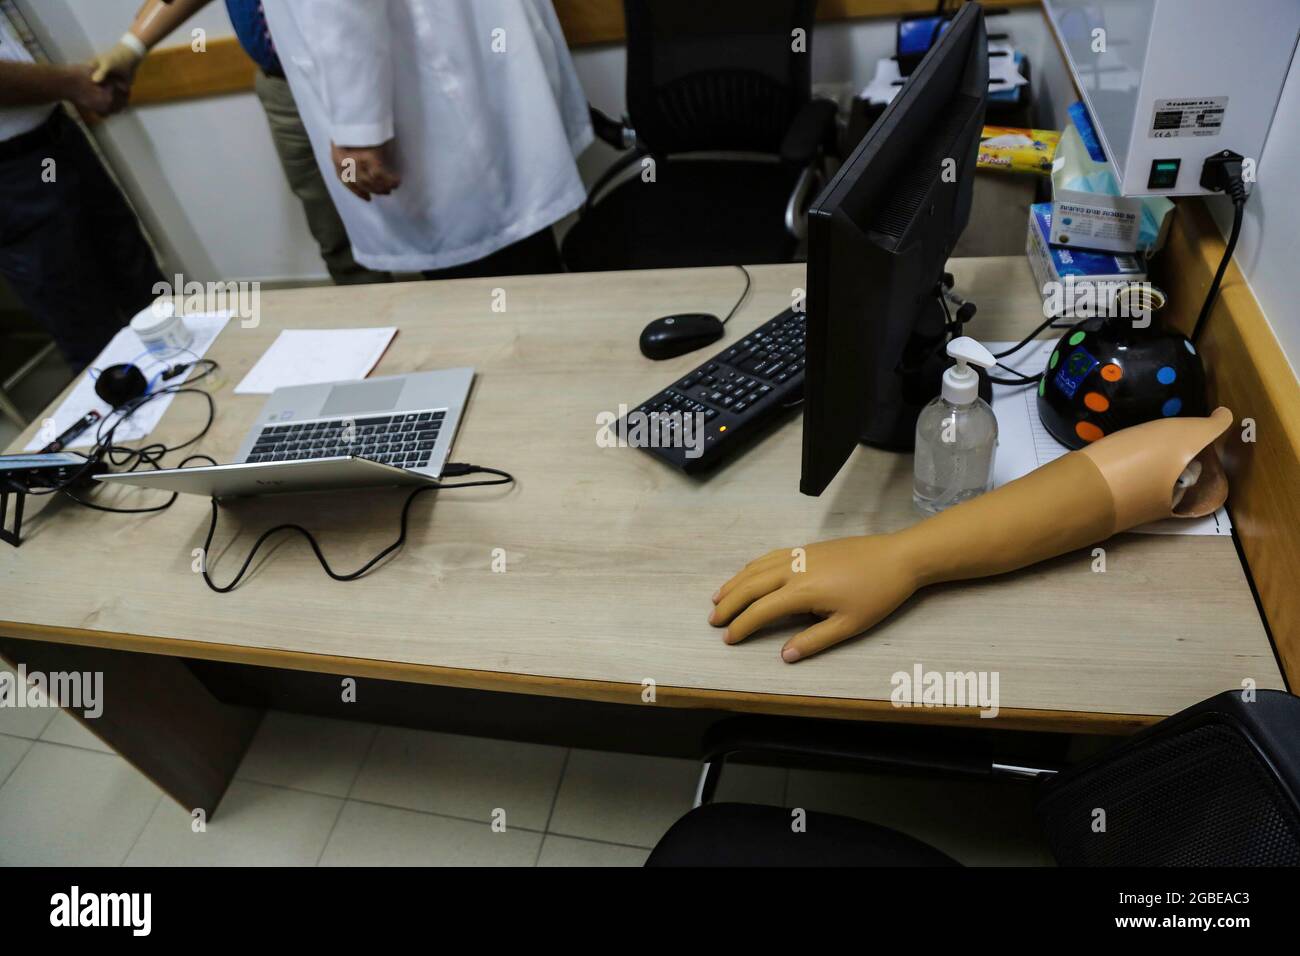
x,y
151,454
1013,383
1019,374
140,511
106,448
1047,324
1237,191
453,469
749,281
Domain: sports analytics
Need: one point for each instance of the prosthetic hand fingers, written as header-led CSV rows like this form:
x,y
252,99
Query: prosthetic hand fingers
x,y
783,602
825,633
744,590
773,559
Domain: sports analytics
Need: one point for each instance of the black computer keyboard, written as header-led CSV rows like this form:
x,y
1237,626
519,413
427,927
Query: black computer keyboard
x,y
728,398
403,440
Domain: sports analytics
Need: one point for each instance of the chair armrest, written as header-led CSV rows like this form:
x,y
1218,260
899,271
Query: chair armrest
x,y
614,132
813,130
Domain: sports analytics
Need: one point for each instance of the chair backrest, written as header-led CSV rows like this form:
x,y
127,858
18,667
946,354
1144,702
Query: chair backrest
x,y
716,74
1215,785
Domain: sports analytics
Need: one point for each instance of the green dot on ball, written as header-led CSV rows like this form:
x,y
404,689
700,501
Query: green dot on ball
x,y
1042,386
1056,357
1076,338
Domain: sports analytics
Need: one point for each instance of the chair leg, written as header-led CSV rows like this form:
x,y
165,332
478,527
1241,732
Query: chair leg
x,y
710,777
10,410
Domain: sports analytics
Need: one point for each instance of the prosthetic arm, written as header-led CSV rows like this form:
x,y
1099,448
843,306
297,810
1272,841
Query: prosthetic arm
x,y
154,21
1160,469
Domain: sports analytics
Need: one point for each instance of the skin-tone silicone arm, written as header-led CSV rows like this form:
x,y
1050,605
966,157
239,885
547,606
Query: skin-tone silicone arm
x,y
1121,481
152,23
157,19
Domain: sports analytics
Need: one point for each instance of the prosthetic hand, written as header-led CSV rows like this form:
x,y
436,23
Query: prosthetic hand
x,y
118,65
1160,469
155,20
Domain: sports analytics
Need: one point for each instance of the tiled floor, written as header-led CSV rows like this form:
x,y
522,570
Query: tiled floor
x,y
333,793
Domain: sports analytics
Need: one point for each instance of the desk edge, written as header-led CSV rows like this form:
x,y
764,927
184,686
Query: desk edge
x,y
618,692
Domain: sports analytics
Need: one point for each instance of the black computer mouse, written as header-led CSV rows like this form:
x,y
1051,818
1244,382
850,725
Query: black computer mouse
x,y
675,335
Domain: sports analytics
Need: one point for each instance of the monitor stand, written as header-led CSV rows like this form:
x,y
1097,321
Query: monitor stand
x,y
919,376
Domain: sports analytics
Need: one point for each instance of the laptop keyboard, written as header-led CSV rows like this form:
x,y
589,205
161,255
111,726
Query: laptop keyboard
x,y
404,440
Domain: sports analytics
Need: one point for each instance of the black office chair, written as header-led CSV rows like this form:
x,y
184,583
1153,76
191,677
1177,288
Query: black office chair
x,y
720,112
1215,785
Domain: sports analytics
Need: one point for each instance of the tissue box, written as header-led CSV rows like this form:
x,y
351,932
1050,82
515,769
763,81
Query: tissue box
x,y
1074,283
1093,220
1087,208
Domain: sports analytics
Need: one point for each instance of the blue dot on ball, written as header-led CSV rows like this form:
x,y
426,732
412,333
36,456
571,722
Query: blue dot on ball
x,y
1166,376
1172,407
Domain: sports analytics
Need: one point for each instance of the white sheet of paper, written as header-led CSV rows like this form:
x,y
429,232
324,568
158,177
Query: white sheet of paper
x,y
126,348
884,86
1024,444
316,356
1003,73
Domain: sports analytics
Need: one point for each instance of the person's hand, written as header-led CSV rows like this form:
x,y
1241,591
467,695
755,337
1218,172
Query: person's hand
x,y
117,65
100,99
367,170
851,583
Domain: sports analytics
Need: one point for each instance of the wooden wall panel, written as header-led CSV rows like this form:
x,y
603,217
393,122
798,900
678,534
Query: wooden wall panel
x,y
1249,373
178,73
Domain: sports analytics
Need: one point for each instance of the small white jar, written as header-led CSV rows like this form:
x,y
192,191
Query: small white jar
x,y
161,329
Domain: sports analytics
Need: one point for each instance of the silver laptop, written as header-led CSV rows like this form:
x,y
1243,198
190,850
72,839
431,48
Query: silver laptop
x,y
379,431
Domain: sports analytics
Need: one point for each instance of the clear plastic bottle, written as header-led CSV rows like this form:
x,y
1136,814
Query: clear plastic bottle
x,y
956,435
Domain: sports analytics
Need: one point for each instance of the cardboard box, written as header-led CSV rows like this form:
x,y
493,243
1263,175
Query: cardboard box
x,y
1087,208
1075,283
1091,218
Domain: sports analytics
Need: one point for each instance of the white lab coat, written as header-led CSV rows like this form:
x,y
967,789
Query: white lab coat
x,y
482,97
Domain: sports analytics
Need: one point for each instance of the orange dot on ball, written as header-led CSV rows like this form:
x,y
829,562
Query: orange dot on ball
x,y
1096,401
1112,372
1088,431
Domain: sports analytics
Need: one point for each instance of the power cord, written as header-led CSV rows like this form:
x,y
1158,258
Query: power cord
x,y
452,470
1223,173
749,281
105,447
152,454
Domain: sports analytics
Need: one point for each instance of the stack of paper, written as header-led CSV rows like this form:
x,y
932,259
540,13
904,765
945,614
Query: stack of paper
x,y
127,349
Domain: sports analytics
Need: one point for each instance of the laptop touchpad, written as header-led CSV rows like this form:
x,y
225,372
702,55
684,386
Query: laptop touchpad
x,y
350,399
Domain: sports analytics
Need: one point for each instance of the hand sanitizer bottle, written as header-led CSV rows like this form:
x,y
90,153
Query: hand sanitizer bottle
x,y
956,435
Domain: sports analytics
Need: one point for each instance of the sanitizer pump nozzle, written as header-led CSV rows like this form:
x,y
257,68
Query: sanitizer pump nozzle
x,y
961,383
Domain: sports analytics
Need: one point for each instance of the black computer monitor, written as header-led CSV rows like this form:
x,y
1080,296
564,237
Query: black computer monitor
x,y
880,234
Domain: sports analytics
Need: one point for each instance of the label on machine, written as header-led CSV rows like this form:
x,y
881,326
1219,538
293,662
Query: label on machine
x,y
1188,117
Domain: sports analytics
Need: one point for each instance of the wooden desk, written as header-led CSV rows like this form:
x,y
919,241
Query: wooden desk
x,y
611,557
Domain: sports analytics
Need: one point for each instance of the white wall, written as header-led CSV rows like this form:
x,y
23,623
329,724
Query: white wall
x,y
205,178
1267,250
